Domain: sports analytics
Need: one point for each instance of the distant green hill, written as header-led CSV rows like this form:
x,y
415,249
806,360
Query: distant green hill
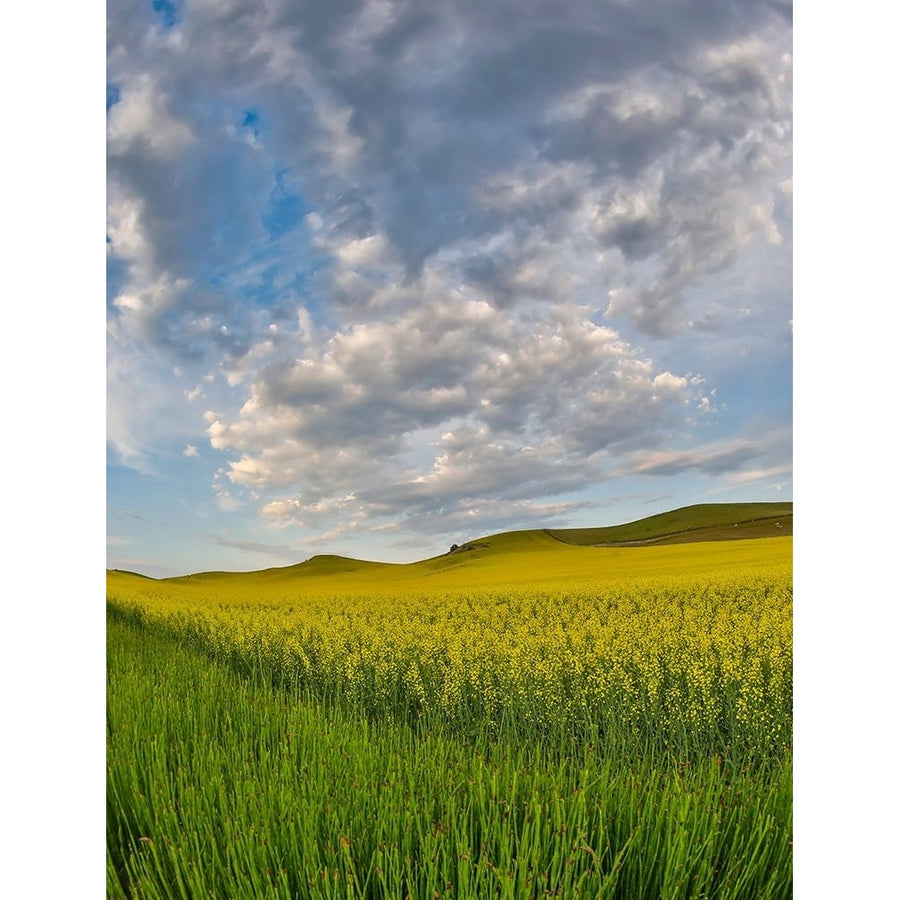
x,y
535,553
703,522
316,566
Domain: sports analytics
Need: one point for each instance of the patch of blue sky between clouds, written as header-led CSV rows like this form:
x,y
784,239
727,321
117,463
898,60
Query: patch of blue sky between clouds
x,y
168,12
251,121
286,208
116,276
738,390
112,96
285,271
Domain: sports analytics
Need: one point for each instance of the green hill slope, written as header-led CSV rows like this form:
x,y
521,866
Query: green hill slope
x,y
326,565
703,522
538,555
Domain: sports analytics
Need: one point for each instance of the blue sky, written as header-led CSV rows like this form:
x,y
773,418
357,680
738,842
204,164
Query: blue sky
x,y
384,277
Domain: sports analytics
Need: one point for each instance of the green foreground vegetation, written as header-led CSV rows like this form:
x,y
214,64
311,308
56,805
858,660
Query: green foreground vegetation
x,y
221,785
524,718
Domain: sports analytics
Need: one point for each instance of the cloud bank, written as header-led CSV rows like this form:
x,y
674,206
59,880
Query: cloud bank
x,y
416,263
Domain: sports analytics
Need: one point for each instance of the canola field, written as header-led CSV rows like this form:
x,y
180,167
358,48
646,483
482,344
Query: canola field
x,y
647,693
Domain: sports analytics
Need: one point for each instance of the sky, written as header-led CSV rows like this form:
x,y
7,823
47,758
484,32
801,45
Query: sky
x,y
386,276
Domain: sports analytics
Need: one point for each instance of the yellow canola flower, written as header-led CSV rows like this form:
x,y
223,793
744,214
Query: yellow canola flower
x,y
672,651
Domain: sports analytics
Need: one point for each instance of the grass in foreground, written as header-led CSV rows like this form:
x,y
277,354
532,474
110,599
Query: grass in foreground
x,y
222,785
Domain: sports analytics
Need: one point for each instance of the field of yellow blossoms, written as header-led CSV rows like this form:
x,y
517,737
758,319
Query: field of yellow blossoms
x,y
702,658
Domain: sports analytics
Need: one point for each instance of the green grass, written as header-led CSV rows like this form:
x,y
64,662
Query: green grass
x,y
703,522
221,785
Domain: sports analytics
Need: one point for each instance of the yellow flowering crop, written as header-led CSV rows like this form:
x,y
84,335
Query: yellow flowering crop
x,y
702,652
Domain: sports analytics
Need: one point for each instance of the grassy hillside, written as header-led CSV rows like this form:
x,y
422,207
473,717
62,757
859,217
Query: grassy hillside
x,y
703,522
500,563
544,556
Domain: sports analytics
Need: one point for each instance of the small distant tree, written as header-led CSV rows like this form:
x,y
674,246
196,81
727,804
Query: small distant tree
x,y
454,547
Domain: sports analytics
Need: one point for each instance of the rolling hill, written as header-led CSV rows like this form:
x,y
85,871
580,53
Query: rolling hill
x,y
540,555
703,522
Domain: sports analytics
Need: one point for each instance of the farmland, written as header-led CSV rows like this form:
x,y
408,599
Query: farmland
x,y
525,716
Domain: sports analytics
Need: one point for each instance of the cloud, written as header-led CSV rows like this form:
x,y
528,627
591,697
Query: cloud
x,y
140,120
675,132
439,259
280,551
135,564
760,474
708,460
763,451
526,403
